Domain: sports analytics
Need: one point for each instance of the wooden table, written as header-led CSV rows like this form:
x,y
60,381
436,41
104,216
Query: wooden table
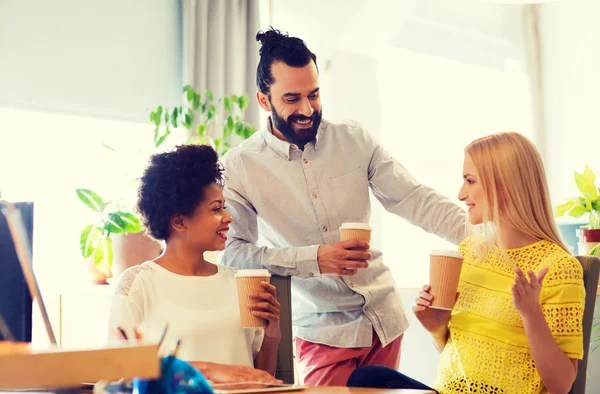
x,y
310,390
356,390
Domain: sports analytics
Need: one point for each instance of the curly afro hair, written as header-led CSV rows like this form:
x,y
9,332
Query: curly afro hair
x,y
174,183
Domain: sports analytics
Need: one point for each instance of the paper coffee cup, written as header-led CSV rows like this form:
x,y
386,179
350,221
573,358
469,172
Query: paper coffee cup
x,y
360,231
444,274
248,281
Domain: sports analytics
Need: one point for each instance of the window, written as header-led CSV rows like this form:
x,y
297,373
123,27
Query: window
x,y
432,107
44,157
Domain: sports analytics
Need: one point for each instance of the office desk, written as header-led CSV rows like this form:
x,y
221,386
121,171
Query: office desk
x,y
310,390
356,390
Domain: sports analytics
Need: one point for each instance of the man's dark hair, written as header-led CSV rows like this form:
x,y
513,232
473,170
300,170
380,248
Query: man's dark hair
x,y
279,47
174,183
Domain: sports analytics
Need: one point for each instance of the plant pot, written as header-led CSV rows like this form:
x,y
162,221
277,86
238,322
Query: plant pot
x,y
588,239
97,275
132,249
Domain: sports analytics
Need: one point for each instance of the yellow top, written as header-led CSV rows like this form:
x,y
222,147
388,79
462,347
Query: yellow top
x,y
487,349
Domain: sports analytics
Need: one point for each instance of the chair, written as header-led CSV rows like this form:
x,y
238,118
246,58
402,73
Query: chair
x,y
285,357
591,271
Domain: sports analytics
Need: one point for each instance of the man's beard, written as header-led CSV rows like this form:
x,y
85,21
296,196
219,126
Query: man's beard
x,y
302,136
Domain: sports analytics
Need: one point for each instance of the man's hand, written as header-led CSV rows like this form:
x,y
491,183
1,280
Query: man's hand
x,y
343,258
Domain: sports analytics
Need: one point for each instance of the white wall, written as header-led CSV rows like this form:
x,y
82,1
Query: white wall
x,y
113,58
570,35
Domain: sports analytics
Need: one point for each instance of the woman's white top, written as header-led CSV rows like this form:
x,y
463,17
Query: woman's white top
x,y
201,311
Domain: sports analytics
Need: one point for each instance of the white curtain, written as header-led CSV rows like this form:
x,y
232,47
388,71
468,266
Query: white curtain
x,y
533,56
220,52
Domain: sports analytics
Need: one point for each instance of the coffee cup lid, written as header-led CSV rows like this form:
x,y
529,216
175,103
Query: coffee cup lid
x,y
252,273
355,226
449,253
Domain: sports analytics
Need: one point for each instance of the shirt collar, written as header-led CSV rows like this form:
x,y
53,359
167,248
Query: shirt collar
x,y
283,148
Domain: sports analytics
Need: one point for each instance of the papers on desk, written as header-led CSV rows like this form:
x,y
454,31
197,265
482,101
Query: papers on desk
x,y
234,388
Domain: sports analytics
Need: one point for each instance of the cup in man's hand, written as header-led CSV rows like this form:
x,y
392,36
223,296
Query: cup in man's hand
x,y
444,274
249,281
361,231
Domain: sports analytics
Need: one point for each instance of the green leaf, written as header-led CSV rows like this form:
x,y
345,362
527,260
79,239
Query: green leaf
x,y
103,255
158,115
234,99
167,117
152,114
585,183
201,129
115,224
227,105
218,142
190,93
109,147
566,207
578,211
210,95
163,137
243,100
194,140
211,112
187,122
249,131
196,103
595,252
132,222
239,129
230,123
91,199
156,129
89,239
174,117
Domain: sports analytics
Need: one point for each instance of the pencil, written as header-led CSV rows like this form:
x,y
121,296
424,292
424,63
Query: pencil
x,y
174,353
122,333
164,333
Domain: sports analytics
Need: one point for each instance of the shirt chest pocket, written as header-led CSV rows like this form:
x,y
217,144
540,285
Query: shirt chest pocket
x,y
350,192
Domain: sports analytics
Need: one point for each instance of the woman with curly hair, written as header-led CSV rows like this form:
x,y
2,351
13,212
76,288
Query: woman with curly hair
x,y
181,203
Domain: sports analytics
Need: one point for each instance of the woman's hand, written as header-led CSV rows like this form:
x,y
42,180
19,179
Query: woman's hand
x,y
265,305
221,373
526,293
433,320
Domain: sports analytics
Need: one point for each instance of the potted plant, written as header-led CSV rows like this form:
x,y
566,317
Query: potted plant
x,y
116,241
101,241
588,203
218,123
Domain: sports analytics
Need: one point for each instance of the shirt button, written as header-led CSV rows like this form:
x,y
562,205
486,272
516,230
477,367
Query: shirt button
x,y
311,274
305,161
324,228
314,195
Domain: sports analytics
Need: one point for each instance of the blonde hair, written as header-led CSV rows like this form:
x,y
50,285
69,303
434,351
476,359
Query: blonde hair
x,y
514,186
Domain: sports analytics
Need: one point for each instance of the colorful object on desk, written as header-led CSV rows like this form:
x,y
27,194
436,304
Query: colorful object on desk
x,y
177,377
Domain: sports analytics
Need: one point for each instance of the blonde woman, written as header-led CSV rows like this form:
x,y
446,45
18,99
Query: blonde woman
x,y
516,326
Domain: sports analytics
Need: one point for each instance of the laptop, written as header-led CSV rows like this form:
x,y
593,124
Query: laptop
x,y
23,249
